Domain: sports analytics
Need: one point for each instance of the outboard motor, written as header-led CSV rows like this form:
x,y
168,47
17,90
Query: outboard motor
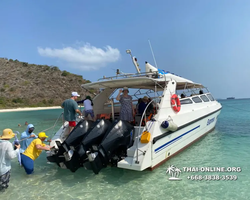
x,y
74,139
94,136
113,147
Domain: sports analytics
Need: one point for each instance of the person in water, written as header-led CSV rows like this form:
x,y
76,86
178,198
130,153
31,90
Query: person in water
x,y
6,155
127,110
33,152
27,137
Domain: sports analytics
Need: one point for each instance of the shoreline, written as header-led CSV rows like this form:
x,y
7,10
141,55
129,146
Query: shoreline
x,y
28,109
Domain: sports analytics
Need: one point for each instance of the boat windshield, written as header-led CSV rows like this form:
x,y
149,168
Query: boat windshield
x,y
136,94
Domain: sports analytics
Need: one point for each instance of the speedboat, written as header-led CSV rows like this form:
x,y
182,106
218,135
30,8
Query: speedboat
x,y
183,112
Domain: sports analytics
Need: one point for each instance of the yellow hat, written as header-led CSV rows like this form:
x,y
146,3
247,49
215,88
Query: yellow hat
x,y
42,135
7,134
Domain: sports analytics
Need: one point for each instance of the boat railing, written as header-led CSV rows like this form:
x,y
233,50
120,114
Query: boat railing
x,y
153,74
139,133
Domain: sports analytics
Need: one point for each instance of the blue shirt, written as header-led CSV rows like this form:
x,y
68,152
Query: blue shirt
x,y
26,142
142,107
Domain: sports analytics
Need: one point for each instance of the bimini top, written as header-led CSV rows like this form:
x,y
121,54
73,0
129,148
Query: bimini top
x,y
147,80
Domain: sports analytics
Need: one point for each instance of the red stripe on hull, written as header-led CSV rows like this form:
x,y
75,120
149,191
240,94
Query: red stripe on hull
x,y
152,168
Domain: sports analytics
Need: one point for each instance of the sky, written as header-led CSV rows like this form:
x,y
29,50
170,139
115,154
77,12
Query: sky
x,y
206,41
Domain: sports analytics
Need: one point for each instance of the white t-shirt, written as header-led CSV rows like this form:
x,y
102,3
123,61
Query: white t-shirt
x,y
87,105
6,155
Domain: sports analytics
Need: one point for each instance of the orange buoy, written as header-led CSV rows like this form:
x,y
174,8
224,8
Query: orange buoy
x,y
175,102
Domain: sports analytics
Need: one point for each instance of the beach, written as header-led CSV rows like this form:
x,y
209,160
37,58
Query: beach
x,y
28,109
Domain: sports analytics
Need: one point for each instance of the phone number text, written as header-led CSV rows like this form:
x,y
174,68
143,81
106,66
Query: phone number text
x,y
212,177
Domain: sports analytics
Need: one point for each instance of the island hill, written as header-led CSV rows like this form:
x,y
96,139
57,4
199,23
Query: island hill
x,y
30,85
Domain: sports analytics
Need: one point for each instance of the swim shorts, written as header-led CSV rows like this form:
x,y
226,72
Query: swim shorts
x,y
72,123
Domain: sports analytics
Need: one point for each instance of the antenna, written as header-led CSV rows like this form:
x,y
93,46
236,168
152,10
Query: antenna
x,y
134,60
152,53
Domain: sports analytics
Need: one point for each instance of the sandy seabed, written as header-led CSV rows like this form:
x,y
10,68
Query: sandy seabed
x,y
28,109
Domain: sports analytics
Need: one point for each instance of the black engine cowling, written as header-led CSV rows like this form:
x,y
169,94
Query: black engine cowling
x,y
74,139
112,148
94,136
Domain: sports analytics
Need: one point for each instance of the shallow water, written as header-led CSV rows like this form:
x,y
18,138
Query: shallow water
x,y
226,146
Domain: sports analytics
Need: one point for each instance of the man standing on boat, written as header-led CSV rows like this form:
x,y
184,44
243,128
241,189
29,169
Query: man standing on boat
x,y
70,109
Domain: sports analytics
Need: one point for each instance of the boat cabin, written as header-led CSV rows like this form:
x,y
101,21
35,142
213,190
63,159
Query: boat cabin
x,y
153,84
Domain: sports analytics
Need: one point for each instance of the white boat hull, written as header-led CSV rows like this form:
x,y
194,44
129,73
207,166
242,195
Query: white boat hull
x,y
168,146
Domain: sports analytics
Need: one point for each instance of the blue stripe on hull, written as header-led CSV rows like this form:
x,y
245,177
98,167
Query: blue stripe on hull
x,y
157,150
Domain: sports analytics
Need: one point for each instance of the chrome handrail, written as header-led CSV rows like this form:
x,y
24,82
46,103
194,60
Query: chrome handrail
x,y
138,136
133,75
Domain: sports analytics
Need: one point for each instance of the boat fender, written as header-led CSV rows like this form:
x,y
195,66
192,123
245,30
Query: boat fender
x,y
169,125
165,124
175,102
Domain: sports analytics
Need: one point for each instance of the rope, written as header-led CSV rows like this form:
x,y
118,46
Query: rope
x,y
43,130
53,125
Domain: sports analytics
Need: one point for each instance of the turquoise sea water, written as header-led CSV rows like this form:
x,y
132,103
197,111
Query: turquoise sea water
x,y
227,146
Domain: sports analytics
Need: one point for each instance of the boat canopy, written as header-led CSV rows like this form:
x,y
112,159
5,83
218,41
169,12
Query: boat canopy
x,y
138,82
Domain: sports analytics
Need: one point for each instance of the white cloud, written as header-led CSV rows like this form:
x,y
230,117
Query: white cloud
x,y
84,57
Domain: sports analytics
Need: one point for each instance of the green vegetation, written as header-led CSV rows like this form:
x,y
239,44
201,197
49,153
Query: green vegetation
x,y
25,64
12,89
51,101
55,68
47,67
2,100
30,85
17,100
65,73
26,83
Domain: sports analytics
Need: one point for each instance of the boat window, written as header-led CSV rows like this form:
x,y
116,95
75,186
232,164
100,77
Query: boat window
x,y
186,101
196,99
204,98
210,97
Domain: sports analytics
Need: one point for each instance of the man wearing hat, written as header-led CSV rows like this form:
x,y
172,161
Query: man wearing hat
x,y
6,154
70,109
33,152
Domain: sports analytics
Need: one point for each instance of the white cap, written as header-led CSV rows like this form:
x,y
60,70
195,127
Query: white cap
x,y
75,94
